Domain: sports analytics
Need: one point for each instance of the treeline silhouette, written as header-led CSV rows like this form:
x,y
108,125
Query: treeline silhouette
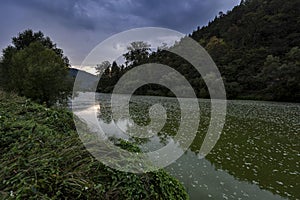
x,y
255,46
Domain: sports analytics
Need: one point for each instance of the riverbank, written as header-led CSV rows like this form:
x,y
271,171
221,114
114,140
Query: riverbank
x,y
43,158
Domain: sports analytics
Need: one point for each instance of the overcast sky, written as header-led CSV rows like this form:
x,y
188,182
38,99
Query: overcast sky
x,y
77,26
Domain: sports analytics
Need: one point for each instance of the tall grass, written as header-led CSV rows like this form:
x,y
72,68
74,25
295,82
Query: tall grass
x,y
43,158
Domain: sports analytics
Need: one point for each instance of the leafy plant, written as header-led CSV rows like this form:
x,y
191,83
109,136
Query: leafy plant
x,y
43,158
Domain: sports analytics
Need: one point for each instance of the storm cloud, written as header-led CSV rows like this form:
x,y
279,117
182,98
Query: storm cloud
x,y
77,26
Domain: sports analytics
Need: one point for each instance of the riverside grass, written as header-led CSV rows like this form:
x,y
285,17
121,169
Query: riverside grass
x,y
43,158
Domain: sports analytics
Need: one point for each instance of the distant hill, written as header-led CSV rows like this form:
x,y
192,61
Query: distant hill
x,y
86,79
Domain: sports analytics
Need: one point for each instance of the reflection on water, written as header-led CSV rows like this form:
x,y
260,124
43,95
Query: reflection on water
x,y
257,156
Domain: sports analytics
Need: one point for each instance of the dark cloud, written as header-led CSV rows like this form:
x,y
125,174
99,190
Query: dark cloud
x,y
66,12
78,25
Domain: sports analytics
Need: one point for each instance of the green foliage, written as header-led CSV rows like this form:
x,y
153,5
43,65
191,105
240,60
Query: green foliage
x,y
43,158
252,31
239,42
35,68
281,76
138,51
27,37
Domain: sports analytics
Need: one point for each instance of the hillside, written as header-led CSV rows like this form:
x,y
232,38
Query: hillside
x,y
87,80
256,47
43,158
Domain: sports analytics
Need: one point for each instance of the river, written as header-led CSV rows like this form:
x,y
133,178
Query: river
x,y
256,157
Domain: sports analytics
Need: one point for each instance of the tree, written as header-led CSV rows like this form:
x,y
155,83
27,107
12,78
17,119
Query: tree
x,y
4,66
40,74
217,47
27,37
137,53
103,68
35,68
281,76
115,70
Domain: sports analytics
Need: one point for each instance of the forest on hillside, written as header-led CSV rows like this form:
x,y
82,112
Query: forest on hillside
x,y
256,47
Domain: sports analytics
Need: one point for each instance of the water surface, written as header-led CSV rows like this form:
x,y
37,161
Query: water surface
x,y
256,157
